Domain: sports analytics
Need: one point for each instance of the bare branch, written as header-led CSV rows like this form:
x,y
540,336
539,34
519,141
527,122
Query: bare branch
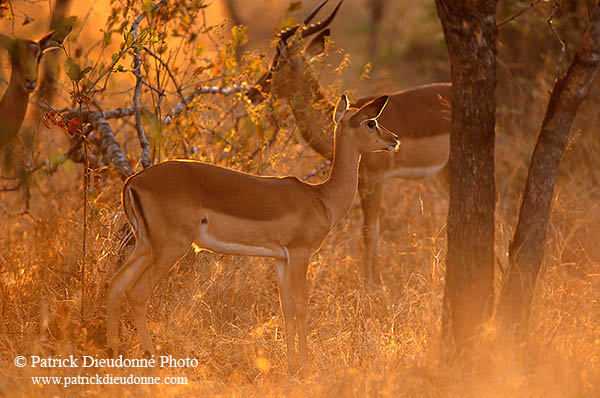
x,y
85,157
325,165
137,71
10,188
519,13
160,92
177,109
164,64
110,145
563,47
86,116
116,113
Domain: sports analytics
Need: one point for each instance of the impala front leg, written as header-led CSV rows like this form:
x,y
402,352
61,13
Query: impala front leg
x,y
291,273
370,189
299,266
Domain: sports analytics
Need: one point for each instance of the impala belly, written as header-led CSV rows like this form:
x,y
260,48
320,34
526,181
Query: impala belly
x,y
228,235
415,172
420,157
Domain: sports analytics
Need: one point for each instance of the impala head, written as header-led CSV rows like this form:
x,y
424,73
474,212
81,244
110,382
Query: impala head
x,y
284,76
361,125
25,56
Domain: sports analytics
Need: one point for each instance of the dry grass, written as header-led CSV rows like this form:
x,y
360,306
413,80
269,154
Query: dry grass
x,y
224,310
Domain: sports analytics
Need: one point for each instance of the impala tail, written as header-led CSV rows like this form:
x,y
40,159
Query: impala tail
x,y
135,214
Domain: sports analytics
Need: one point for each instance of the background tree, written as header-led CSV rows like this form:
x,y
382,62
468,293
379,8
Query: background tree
x,y
471,34
51,66
376,8
526,250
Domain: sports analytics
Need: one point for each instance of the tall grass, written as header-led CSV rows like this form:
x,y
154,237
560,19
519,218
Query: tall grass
x,y
224,310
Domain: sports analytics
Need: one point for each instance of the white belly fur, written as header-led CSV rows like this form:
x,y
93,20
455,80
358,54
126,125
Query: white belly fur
x,y
415,172
208,242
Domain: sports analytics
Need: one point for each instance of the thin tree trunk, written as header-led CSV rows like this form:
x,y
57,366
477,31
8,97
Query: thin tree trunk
x,y
51,67
376,11
527,247
471,35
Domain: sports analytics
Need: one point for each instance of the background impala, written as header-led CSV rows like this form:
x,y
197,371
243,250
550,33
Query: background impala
x,y
25,56
420,116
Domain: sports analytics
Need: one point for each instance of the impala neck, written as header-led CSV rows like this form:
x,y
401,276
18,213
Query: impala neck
x,y
337,192
12,108
313,116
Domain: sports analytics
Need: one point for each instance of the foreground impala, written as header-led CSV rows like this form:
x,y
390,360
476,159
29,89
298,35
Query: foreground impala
x,y
179,203
420,117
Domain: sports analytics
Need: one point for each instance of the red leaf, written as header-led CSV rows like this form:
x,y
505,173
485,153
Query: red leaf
x,y
74,126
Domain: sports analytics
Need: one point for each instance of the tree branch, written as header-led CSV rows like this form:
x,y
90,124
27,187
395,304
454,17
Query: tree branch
x,y
113,150
137,71
563,47
519,13
182,106
164,64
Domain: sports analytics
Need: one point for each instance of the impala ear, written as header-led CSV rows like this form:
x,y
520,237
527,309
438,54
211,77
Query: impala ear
x,y
50,41
55,38
5,42
374,108
340,109
316,46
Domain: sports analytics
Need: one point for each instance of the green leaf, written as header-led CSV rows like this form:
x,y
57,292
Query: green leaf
x,y
129,38
73,70
294,6
143,35
146,5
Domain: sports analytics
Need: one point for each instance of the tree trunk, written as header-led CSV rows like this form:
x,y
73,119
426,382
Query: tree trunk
x,y
471,35
376,13
527,247
51,66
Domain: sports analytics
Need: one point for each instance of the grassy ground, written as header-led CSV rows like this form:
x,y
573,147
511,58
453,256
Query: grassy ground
x,y
224,312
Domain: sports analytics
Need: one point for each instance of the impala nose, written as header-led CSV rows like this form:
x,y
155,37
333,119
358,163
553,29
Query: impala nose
x,y
30,84
394,147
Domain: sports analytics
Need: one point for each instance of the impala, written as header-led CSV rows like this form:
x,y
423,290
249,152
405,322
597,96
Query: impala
x,y
420,116
175,204
25,56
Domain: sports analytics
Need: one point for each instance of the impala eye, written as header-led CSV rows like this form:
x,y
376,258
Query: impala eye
x,y
371,124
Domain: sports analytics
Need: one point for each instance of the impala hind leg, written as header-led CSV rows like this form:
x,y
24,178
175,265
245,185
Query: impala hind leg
x,y
140,259
284,277
140,291
371,194
443,176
